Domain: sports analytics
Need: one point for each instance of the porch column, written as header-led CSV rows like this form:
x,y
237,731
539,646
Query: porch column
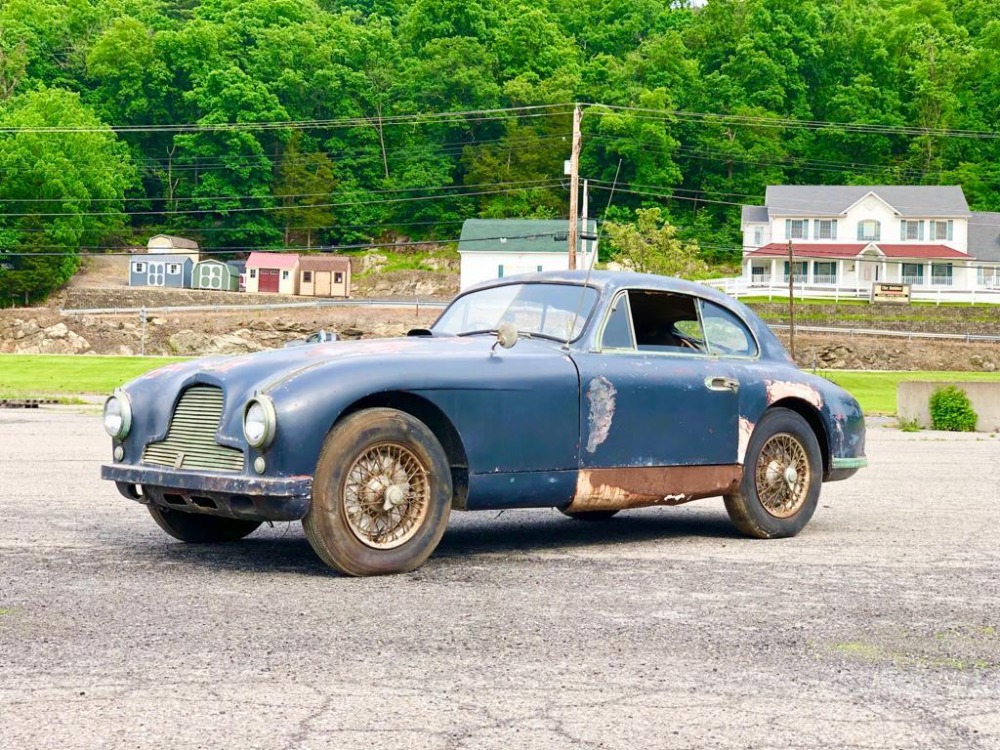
x,y
927,273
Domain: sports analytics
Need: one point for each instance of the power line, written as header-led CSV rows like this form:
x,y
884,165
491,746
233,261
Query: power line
x,y
432,118
312,251
663,115
531,185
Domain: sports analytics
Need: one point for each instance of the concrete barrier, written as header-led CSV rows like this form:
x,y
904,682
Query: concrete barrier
x,y
913,402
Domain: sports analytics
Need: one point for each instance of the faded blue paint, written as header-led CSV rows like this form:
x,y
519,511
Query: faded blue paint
x,y
664,415
525,417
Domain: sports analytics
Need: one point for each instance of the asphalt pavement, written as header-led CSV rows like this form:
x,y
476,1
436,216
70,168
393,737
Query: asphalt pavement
x,y
877,627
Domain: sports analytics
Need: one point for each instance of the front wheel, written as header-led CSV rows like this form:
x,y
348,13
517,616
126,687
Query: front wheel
x,y
199,529
381,494
782,474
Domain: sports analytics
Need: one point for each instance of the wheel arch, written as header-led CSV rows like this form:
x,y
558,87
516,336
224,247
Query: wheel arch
x,y
436,421
815,421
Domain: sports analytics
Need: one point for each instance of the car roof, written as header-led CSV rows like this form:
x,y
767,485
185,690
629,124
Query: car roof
x,y
610,281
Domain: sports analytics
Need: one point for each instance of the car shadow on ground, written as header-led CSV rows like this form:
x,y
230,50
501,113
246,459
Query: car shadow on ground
x,y
285,549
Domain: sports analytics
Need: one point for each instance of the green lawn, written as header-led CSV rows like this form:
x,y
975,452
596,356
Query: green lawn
x,y
876,391
51,374
39,375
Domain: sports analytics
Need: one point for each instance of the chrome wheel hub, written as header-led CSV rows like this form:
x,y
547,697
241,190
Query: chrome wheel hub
x,y
782,475
386,496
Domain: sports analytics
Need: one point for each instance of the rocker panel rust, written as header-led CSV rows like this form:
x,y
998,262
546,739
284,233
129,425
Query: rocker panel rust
x,y
618,489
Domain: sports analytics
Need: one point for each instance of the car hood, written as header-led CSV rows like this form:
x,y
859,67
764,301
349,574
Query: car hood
x,y
243,376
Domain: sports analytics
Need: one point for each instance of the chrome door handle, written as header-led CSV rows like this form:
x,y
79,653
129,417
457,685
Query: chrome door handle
x,y
720,383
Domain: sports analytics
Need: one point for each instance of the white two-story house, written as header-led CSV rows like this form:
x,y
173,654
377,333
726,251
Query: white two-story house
x,y
848,237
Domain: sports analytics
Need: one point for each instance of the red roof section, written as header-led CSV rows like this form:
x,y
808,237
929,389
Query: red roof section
x,y
818,250
920,251
272,260
851,250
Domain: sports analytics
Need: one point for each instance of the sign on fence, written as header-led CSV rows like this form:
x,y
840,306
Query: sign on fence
x,y
895,294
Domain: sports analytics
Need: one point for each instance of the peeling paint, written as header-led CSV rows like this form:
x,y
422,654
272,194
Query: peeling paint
x,y
779,389
617,489
746,430
601,395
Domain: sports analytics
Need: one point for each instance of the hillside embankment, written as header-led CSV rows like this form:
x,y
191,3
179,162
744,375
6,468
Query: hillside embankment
x,y
56,329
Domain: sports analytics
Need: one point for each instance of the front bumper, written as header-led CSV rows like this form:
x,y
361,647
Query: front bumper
x,y
251,498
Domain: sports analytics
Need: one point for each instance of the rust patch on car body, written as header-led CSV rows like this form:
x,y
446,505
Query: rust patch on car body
x,y
617,489
601,396
779,389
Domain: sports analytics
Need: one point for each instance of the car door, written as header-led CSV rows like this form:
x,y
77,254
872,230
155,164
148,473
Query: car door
x,y
654,394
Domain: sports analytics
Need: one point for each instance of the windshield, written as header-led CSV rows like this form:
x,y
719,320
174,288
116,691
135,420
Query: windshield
x,y
556,311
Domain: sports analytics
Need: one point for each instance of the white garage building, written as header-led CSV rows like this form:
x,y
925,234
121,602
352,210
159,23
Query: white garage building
x,y
497,248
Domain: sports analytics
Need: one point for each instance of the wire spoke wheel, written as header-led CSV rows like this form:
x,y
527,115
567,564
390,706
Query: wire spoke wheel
x,y
386,496
782,475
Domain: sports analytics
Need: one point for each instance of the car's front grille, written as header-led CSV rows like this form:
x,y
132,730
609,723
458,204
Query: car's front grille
x,y
190,441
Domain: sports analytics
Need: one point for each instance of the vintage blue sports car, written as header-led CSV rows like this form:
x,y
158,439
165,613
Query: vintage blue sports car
x,y
587,393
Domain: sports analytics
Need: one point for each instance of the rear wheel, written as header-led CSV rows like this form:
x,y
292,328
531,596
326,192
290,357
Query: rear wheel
x,y
381,494
782,474
200,529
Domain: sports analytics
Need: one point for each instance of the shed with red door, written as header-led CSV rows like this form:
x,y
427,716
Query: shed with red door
x,y
272,273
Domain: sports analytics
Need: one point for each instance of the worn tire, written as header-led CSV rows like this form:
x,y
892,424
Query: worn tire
x,y
196,528
381,494
590,515
774,498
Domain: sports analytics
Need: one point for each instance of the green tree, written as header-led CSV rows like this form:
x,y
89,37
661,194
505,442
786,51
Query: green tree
x,y
651,245
69,190
305,182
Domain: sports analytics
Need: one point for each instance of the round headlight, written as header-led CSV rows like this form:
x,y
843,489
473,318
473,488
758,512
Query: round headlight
x,y
259,422
117,415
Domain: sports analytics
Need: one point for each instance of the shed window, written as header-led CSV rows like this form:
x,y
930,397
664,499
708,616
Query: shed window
x,y
253,273
173,268
140,268
307,277
284,274
338,278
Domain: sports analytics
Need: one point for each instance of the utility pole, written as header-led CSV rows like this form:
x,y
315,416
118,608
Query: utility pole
x,y
574,187
791,299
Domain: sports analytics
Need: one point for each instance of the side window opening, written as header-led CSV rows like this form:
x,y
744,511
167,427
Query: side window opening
x,y
666,322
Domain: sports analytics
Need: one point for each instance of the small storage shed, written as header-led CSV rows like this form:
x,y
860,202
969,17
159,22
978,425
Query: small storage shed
x,y
272,273
172,271
166,244
216,274
324,276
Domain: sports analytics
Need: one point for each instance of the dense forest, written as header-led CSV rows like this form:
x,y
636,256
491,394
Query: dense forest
x,y
316,123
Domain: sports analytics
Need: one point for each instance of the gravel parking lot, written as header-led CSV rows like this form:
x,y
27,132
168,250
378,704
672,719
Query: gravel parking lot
x,y
876,628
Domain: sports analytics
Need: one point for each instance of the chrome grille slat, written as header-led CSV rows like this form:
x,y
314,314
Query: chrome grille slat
x,y
192,433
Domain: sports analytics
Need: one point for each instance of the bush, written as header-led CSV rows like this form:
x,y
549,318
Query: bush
x,y
951,410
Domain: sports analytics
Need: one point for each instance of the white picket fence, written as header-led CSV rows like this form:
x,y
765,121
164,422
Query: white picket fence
x,y
738,286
